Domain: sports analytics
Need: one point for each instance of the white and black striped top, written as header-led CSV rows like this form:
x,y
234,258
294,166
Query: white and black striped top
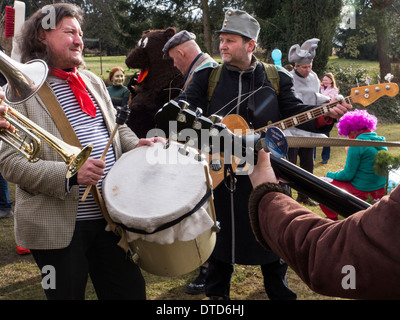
x,y
88,130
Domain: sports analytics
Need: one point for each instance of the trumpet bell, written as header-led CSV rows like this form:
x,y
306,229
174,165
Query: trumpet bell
x,y
23,80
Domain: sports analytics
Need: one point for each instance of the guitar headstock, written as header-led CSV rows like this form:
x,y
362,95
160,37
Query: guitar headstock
x,y
178,122
369,94
210,135
182,117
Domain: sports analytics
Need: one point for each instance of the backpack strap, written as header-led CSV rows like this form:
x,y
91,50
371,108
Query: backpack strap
x,y
213,80
272,74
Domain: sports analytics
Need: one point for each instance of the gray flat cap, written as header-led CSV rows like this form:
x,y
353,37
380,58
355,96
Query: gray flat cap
x,y
304,54
176,40
241,23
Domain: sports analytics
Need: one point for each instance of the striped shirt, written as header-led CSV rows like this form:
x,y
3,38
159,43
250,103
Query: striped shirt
x,y
88,130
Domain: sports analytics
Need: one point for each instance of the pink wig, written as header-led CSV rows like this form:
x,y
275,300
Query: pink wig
x,y
357,120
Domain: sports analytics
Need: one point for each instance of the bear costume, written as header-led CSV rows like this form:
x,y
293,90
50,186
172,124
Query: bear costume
x,y
157,83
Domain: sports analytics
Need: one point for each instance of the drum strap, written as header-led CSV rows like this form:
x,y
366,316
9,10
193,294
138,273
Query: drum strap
x,y
69,136
171,223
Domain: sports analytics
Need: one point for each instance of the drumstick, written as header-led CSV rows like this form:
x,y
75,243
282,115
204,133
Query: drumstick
x,y
121,118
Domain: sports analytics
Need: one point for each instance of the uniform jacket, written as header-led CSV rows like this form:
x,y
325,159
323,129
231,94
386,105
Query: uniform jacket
x,y
251,95
329,256
45,213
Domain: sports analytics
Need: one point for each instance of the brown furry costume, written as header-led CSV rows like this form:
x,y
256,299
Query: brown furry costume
x,y
158,82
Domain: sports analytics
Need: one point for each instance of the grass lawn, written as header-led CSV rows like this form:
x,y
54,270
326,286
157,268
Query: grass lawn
x,y
102,66
20,278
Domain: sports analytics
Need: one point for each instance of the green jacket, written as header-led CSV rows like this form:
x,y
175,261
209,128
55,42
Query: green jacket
x,y
359,167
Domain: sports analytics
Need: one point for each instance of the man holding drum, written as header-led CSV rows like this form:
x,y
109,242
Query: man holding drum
x,y
66,236
244,89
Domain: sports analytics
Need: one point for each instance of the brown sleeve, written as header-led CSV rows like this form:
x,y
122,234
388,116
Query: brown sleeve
x,y
319,250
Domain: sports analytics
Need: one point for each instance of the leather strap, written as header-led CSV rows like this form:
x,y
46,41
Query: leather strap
x,y
58,115
70,137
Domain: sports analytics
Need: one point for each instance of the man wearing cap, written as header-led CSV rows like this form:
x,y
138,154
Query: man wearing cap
x,y
306,87
187,55
244,89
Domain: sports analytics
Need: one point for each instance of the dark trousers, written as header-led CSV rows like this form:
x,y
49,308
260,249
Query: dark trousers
x,y
218,282
306,156
5,202
92,251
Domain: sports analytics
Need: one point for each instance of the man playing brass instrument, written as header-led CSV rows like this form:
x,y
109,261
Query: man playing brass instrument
x,y
60,230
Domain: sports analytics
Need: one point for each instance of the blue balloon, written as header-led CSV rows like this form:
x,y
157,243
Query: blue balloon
x,y
277,56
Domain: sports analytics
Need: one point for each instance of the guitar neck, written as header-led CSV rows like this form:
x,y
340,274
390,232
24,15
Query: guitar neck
x,y
303,117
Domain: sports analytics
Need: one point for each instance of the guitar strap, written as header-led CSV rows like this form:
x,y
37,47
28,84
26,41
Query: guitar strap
x,y
70,137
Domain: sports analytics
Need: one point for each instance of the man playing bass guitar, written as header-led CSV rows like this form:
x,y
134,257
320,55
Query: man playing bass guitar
x,y
244,89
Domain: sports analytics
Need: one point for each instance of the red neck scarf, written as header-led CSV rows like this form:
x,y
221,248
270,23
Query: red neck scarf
x,y
78,88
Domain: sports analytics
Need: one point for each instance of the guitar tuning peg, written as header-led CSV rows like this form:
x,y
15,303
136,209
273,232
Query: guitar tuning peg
x,y
199,157
183,104
357,82
167,144
199,112
173,137
183,150
215,118
196,123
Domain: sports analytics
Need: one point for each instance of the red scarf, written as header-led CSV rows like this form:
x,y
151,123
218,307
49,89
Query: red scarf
x,y
78,88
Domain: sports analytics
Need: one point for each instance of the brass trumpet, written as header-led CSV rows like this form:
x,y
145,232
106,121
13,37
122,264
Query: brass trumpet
x,y
28,136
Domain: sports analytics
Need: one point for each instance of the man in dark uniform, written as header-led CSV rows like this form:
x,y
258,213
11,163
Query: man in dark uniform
x,y
244,89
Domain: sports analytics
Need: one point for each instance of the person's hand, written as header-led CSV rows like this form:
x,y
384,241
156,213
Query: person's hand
x,y
4,124
91,172
339,110
150,141
263,171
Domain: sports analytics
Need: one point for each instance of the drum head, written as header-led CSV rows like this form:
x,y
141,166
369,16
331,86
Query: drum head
x,y
150,186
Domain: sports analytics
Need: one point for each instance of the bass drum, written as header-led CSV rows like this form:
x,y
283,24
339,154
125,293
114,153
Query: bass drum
x,y
162,198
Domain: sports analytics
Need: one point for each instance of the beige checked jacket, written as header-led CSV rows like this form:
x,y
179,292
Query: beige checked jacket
x,y
44,212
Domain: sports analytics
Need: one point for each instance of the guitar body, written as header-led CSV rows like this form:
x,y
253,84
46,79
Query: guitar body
x,y
236,124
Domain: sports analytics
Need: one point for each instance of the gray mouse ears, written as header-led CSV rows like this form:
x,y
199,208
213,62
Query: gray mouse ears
x,y
304,54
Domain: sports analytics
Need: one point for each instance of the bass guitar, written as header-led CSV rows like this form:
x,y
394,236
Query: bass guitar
x,y
332,197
